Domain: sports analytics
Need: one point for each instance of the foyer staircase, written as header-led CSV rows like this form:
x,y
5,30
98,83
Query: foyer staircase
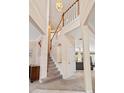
x,y
52,72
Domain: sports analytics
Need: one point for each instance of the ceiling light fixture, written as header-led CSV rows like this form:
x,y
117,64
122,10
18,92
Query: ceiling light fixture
x,y
59,5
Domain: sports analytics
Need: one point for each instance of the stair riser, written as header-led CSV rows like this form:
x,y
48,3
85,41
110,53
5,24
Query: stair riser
x,y
50,75
51,62
53,74
51,66
53,69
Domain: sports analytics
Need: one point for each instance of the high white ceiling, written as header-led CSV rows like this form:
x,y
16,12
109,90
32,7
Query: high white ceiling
x,y
38,13
55,16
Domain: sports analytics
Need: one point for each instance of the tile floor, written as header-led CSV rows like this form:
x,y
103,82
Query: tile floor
x,y
74,84
54,91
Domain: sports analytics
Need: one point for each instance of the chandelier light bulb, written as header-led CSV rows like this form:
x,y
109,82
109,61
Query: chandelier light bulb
x,y
59,5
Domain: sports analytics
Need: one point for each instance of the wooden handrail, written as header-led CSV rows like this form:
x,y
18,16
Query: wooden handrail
x,y
62,17
57,29
71,6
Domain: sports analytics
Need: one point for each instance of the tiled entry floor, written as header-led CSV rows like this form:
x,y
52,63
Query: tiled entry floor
x,y
54,91
74,84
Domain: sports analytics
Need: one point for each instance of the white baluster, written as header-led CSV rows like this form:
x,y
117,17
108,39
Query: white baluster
x,y
66,18
76,9
69,16
72,13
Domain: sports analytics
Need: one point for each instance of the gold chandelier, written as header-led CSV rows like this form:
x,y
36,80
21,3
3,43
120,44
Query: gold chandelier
x,y
59,5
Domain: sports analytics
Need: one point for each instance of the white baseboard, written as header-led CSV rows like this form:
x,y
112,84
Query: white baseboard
x,y
89,91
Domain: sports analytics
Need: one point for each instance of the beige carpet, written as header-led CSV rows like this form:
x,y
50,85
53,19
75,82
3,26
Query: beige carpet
x,y
74,83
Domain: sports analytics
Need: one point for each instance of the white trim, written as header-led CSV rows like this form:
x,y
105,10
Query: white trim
x,y
89,91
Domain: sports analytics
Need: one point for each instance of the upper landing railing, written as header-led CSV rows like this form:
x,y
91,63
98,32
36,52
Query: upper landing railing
x,y
69,15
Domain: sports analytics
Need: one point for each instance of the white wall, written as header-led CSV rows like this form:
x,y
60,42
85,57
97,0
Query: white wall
x,y
76,33
91,19
38,11
67,67
85,7
73,29
34,36
35,58
32,50
33,32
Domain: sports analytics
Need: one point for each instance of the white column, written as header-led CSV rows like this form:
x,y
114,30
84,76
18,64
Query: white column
x,y
44,46
86,59
64,57
43,62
